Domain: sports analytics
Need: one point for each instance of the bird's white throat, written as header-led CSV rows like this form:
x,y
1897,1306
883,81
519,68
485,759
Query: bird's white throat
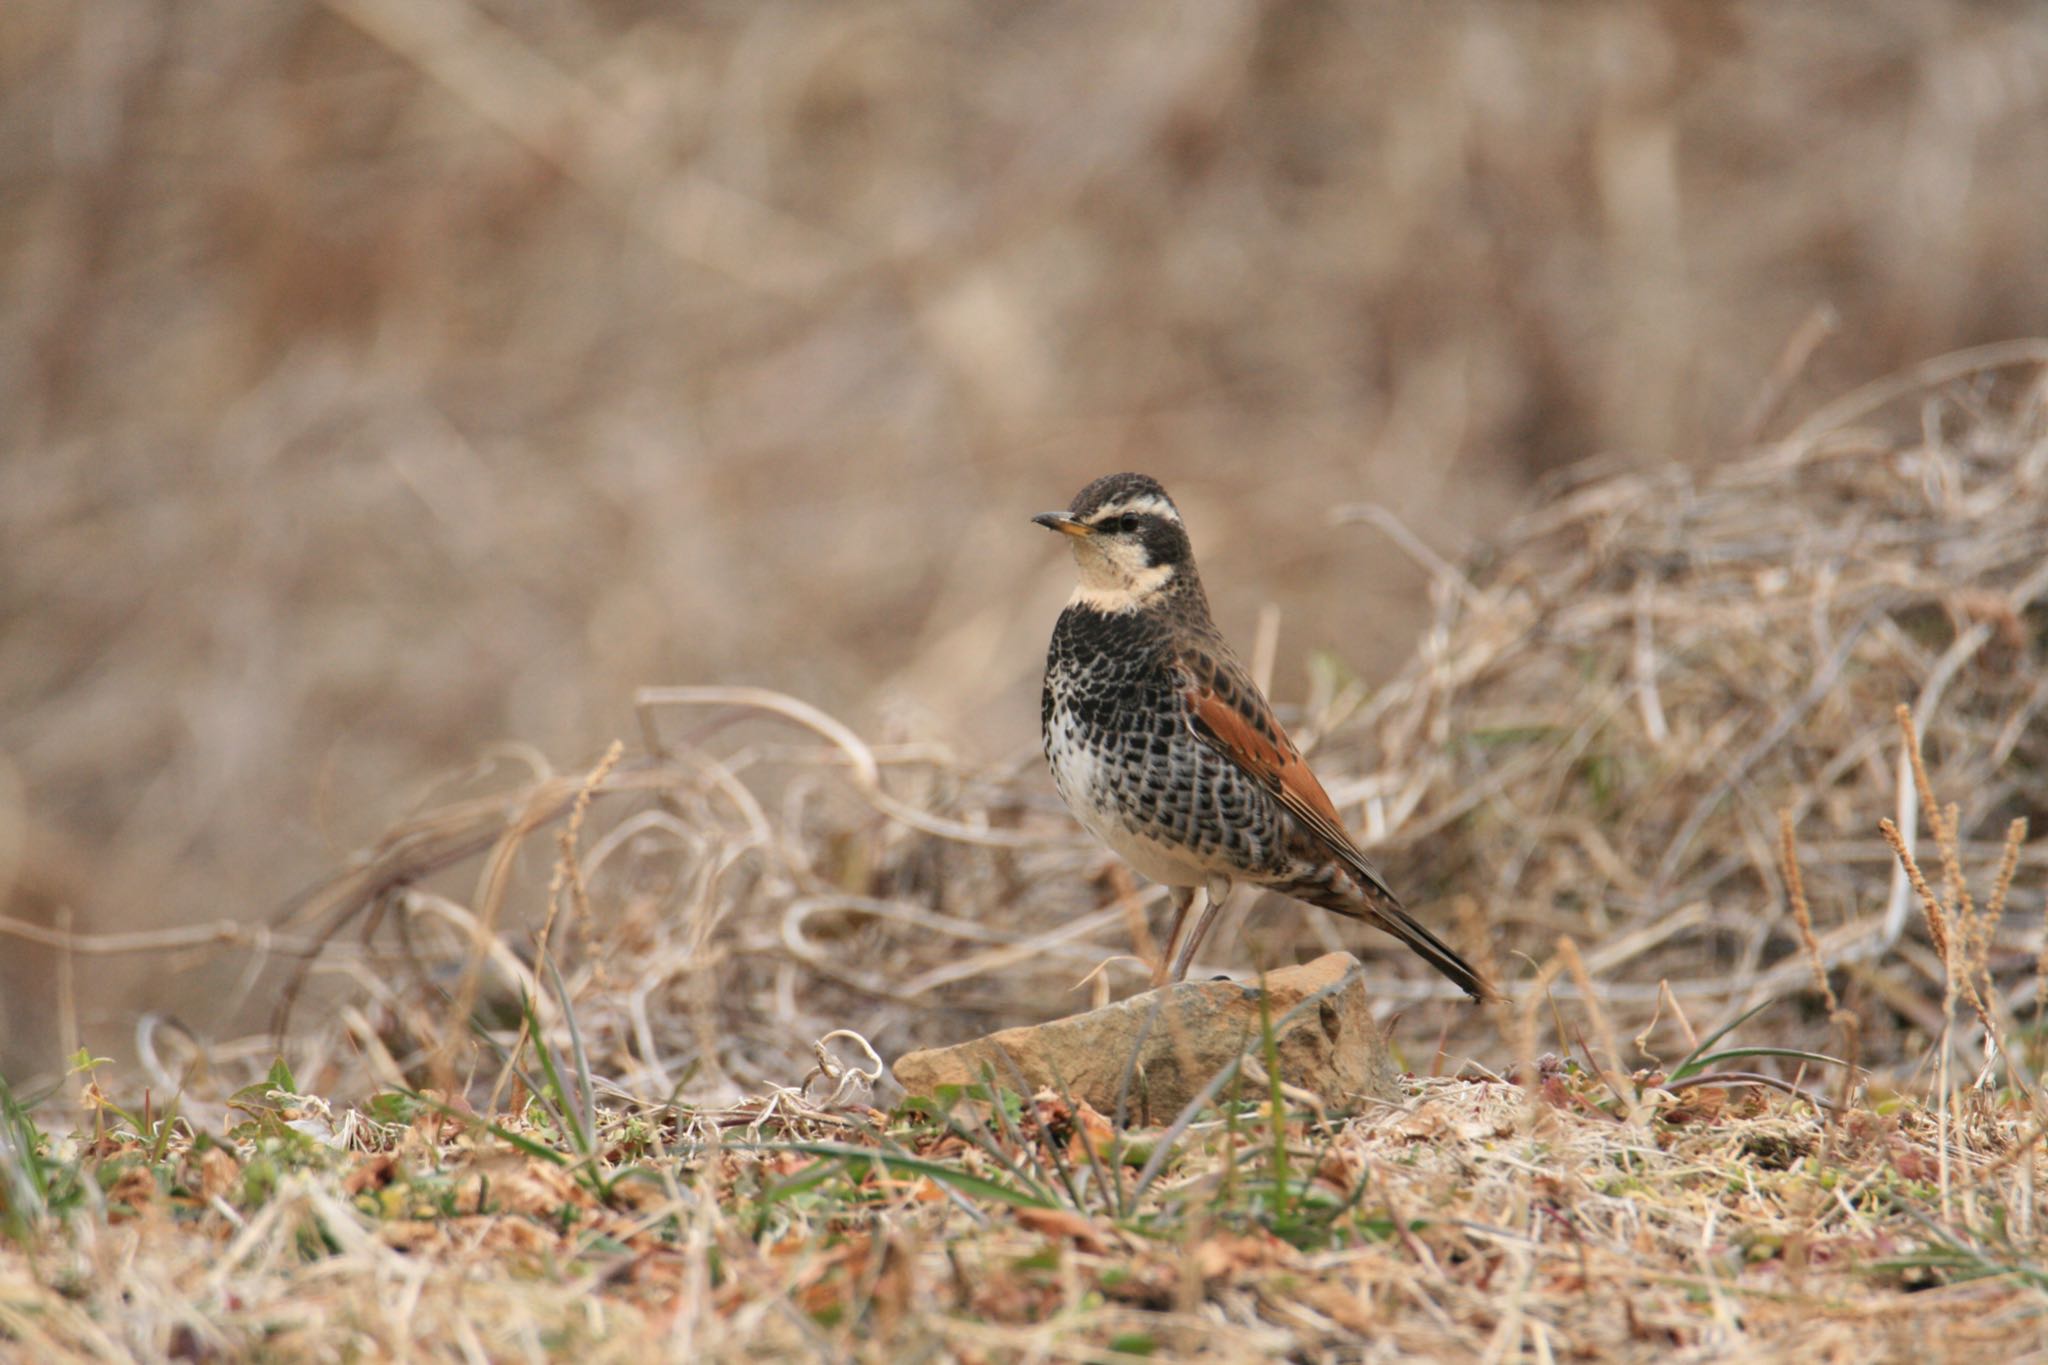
x,y
1115,578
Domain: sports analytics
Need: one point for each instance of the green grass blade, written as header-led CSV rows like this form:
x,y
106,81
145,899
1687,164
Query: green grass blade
x,y
809,1178
1692,1061
523,1143
1735,1053
1276,1113
909,1165
558,1096
585,1087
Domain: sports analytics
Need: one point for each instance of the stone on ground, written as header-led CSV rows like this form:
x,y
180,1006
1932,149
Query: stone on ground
x,y
1184,1034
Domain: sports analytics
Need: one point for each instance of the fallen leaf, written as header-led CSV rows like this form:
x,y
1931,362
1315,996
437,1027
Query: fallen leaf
x,y
1066,1224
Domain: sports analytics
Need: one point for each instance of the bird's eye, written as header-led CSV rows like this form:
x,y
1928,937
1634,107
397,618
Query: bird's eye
x,y
1126,524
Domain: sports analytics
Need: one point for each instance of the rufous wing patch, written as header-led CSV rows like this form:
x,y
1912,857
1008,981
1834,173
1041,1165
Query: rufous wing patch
x,y
1269,756
1227,713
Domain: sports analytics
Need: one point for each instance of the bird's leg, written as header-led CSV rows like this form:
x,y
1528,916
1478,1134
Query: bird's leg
x,y
1212,901
1183,897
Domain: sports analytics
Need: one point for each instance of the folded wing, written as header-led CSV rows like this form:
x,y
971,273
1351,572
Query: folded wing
x,y
1226,712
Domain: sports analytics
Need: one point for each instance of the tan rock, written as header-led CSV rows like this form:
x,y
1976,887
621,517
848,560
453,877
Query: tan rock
x,y
1183,1034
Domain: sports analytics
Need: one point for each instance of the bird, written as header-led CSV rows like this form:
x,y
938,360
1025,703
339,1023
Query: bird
x,y
1163,747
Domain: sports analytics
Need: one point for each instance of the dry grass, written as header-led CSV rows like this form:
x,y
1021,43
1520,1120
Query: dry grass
x,y
385,380
1595,744
1468,1220
1648,742
1598,735
526,356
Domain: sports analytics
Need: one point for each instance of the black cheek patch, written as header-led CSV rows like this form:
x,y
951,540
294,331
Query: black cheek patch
x,y
1165,543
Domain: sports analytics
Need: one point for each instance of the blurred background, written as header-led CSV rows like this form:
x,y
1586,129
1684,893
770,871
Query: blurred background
x,y
382,381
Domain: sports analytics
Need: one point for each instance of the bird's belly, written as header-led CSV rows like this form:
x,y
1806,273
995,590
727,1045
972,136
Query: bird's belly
x,y
1097,791
1162,863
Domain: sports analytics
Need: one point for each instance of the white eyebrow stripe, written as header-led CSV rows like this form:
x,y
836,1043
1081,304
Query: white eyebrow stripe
x,y
1143,503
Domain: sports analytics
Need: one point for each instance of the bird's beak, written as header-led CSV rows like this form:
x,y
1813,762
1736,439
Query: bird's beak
x,y
1066,525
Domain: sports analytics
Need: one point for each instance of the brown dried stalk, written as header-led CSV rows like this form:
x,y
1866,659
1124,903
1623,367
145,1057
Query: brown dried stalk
x,y
1941,821
1795,891
1937,919
2009,861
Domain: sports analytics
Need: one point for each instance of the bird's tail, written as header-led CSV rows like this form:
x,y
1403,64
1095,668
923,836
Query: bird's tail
x,y
1361,893
1433,950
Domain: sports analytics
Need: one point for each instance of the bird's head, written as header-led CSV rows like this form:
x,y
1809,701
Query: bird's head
x,y
1128,542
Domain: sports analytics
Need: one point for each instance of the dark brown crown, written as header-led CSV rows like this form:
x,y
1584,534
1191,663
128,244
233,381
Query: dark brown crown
x,y
1111,488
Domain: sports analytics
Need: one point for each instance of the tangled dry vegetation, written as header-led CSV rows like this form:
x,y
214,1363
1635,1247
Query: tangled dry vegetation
x,y
1597,740
1648,757
388,377
1476,1219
